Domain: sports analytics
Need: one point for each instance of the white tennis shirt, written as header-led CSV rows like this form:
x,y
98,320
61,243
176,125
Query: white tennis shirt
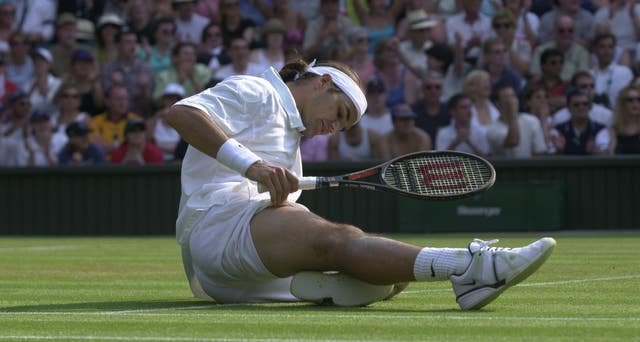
x,y
258,112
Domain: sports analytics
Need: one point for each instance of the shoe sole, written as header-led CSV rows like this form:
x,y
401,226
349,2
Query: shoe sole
x,y
337,289
466,301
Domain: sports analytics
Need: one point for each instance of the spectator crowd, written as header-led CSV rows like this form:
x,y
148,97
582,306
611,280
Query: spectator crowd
x,y
91,82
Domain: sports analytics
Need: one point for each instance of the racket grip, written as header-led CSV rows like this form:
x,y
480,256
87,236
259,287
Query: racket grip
x,y
305,183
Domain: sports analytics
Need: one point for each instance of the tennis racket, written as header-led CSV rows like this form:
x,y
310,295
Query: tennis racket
x,y
425,175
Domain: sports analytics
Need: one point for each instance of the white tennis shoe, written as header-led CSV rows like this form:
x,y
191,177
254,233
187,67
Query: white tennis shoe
x,y
337,289
492,270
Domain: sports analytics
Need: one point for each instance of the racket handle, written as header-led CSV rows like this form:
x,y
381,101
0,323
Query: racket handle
x,y
305,183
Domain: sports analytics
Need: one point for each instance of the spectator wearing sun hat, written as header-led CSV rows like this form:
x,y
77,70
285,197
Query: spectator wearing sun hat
x,y
85,32
108,26
43,87
418,38
66,44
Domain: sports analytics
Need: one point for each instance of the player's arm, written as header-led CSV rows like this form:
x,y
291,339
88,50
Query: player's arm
x,y
200,131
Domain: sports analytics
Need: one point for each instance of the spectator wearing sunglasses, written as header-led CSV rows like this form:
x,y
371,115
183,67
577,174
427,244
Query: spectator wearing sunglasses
x,y
518,48
584,81
580,135
431,112
496,62
584,21
625,131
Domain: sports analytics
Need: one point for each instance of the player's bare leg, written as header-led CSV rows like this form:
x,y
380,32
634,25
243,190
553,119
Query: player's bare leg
x,y
290,240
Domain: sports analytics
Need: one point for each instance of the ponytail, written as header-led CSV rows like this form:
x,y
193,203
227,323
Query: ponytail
x,y
293,70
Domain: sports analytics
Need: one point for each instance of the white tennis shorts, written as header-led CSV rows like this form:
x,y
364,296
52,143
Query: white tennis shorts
x,y
225,260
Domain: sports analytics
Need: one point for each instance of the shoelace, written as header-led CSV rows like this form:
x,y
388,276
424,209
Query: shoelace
x,y
484,245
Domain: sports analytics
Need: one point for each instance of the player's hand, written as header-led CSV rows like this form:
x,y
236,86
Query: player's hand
x,y
279,180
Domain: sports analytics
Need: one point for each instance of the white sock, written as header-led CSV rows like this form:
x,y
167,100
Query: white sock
x,y
440,263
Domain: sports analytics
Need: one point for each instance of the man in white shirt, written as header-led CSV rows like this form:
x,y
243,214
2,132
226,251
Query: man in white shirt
x,y
513,134
610,77
242,246
461,134
583,80
35,18
472,26
239,54
328,29
419,39
189,24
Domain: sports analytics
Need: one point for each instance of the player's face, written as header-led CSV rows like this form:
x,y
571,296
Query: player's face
x,y
327,111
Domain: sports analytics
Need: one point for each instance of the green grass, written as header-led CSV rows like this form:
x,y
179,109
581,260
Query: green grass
x,y
133,289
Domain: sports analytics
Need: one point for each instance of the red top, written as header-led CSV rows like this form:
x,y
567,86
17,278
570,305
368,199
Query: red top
x,y
151,154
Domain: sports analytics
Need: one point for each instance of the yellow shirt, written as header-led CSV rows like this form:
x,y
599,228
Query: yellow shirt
x,y
107,132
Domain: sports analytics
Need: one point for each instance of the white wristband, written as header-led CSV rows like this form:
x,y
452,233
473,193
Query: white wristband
x,y
235,156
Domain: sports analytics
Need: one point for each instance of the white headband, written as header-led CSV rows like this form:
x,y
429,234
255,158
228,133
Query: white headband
x,y
345,83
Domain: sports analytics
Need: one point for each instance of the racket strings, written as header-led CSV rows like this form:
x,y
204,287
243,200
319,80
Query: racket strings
x,y
438,175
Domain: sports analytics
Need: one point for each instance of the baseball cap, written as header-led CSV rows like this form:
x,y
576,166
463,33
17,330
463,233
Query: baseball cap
x,y
174,89
419,19
77,129
402,111
82,55
44,53
134,125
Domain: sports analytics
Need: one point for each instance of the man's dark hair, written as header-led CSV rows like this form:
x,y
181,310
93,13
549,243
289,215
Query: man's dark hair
x,y
578,75
495,92
549,53
572,92
602,36
455,99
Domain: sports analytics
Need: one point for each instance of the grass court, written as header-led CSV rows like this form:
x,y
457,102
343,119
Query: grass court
x,y
134,289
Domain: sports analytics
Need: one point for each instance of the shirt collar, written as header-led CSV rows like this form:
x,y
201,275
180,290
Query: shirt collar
x,y
289,104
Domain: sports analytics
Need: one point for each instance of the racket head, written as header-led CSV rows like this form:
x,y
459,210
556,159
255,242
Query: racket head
x,y
438,175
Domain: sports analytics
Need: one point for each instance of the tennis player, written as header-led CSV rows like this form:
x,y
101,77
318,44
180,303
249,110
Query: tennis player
x,y
241,246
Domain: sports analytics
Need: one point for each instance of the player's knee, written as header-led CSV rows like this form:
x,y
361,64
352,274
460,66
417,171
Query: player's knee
x,y
333,244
